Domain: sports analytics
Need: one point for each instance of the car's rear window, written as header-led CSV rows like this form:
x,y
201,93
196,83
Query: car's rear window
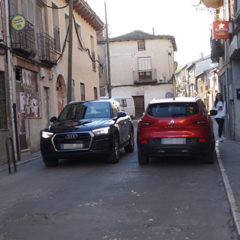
x,y
181,109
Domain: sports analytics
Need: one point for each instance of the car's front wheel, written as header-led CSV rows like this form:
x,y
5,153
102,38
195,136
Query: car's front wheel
x,y
130,147
50,162
115,151
143,158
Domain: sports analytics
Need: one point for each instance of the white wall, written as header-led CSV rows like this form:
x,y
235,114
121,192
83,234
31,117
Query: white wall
x,y
149,92
124,59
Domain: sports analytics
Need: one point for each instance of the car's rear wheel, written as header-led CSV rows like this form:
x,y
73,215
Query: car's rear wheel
x,y
143,158
50,162
210,157
115,151
130,147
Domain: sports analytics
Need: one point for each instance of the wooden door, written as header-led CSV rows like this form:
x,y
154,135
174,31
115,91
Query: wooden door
x,y
139,105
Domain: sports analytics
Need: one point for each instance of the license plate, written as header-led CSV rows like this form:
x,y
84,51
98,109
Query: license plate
x,y
173,141
72,146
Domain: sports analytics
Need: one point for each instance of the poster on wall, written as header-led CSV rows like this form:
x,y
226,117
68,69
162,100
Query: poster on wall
x,y
29,81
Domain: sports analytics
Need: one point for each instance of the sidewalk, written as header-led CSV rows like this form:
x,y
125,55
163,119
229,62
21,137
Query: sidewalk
x,y
23,160
228,153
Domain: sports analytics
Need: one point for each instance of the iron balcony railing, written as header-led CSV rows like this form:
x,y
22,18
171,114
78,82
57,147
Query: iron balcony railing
x,y
47,49
145,77
23,41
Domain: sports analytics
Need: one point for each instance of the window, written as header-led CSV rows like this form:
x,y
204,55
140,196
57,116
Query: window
x,y
95,93
73,90
173,109
28,10
82,91
39,18
56,30
3,110
145,76
1,27
123,103
141,45
66,24
13,4
79,34
93,53
145,68
145,64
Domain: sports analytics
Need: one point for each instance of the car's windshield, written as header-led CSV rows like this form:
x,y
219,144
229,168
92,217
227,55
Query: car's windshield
x,y
87,110
183,109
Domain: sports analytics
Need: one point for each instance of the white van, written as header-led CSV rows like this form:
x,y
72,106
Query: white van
x,y
126,104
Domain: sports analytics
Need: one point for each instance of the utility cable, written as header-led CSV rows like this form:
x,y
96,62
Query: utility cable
x,y
82,47
64,45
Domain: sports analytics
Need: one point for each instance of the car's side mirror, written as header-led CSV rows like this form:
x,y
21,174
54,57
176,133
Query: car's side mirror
x,y
121,114
53,119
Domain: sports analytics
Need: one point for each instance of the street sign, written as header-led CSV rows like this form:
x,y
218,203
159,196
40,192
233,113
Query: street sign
x,y
220,30
18,22
169,95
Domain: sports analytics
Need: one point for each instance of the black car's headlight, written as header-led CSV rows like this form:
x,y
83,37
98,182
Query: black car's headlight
x,y
45,134
101,131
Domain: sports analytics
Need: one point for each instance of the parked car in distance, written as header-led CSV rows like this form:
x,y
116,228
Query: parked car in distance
x,y
175,127
91,127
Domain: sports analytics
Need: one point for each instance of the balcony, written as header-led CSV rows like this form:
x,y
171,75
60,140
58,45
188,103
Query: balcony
x,y
23,42
213,3
145,77
47,49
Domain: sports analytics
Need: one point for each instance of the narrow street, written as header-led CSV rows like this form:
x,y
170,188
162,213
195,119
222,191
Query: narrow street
x,y
88,199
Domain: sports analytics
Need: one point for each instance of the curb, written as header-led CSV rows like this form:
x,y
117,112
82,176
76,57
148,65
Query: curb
x,y
231,199
19,163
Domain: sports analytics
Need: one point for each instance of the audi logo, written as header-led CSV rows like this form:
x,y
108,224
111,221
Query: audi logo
x,y
71,136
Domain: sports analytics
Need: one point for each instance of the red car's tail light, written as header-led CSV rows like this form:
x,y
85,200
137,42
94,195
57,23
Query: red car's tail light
x,y
202,140
143,141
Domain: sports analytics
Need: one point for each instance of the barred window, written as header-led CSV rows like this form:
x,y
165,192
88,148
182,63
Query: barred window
x,y
3,110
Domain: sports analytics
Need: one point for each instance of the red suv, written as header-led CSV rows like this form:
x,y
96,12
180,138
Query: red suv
x,y
175,127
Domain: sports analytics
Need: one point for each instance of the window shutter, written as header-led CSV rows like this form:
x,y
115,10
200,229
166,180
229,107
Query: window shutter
x,y
144,64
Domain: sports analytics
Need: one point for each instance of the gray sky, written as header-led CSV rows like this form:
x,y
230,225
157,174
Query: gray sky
x,y
178,18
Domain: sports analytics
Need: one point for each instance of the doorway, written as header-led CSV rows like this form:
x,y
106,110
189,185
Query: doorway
x,y
139,105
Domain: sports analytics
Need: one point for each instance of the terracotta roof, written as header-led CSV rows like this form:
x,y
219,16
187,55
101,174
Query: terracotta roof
x,y
85,11
140,35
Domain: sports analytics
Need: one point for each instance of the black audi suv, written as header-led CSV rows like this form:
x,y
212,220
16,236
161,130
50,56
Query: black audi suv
x,y
91,127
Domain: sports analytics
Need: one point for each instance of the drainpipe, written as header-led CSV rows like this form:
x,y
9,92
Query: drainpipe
x,y
226,18
10,75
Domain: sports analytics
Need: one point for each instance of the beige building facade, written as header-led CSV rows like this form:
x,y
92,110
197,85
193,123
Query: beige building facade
x,y
142,67
39,65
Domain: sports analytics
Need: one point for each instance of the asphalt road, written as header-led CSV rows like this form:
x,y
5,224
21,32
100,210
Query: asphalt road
x,y
180,199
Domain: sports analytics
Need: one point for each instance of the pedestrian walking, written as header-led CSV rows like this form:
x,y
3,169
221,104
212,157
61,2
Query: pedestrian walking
x,y
220,109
